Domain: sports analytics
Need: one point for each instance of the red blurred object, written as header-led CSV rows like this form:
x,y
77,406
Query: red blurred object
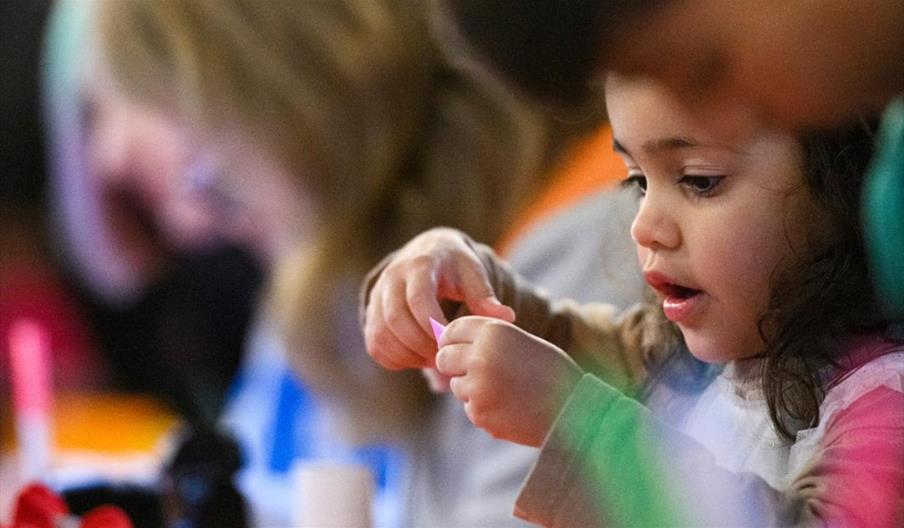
x,y
39,507
34,291
106,517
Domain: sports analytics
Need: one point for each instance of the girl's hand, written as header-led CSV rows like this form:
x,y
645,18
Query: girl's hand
x,y
436,266
512,383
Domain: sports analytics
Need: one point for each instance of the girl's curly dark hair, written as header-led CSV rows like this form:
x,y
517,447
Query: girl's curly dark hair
x,y
817,305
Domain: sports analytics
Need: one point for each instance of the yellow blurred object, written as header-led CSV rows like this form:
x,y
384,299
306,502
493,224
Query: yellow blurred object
x,y
105,422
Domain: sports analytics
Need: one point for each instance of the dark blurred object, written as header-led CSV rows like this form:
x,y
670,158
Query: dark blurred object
x,y
198,489
141,504
21,139
195,491
549,47
183,339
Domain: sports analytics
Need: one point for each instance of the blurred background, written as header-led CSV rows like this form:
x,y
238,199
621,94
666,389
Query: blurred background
x,y
133,353
192,193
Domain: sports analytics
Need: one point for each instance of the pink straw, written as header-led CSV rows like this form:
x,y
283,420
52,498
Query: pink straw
x,y
29,348
30,369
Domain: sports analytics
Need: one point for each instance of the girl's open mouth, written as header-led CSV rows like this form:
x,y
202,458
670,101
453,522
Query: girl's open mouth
x,y
679,292
678,301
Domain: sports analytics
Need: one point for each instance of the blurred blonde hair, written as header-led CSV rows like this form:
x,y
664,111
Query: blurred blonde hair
x,y
391,129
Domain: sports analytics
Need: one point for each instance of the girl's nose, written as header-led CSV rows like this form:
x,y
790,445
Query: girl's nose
x,y
654,225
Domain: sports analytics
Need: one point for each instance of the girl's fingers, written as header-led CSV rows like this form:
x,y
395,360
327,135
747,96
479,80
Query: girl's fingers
x,y
464,330
459,388
437,382
451,360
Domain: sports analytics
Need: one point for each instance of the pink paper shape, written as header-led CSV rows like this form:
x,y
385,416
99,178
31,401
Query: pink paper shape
x,y
438,328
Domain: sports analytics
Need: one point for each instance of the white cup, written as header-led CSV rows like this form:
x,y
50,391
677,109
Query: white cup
x,y
332,495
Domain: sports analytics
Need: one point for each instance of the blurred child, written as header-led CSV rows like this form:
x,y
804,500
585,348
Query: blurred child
x,y
323,134
752,246
168,303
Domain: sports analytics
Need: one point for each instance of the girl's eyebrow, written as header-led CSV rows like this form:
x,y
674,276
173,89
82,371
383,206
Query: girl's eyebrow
x,y
671,143
618,147
658,145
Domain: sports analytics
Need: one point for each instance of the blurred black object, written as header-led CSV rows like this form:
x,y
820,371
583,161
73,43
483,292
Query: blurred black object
x,y
141,504
184,338
548,48
22,168
198,489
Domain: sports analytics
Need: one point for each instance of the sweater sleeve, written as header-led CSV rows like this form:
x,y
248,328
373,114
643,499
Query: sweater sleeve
x,y
609,461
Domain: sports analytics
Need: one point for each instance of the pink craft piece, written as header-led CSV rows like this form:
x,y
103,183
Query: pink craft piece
x,y
438,328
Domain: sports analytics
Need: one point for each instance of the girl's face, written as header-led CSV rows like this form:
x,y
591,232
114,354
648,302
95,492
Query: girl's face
x,y
793,64
718,218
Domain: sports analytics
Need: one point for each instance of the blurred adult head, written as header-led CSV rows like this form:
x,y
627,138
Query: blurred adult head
x,y
795,64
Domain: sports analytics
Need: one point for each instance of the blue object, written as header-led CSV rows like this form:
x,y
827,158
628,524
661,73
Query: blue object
x,y
293,404
883,210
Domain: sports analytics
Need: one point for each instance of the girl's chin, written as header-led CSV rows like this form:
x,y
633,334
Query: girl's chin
x,y
707,350
711,358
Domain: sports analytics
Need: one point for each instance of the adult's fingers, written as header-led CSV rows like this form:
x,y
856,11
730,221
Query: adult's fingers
x,y
491,307
478,294
422,298
391,355
382,344
403,322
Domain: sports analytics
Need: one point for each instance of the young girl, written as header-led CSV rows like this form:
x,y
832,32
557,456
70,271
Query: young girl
x,y
779,402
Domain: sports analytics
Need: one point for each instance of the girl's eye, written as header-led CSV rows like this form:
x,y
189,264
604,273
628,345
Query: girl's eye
x,y
638,181
701,185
